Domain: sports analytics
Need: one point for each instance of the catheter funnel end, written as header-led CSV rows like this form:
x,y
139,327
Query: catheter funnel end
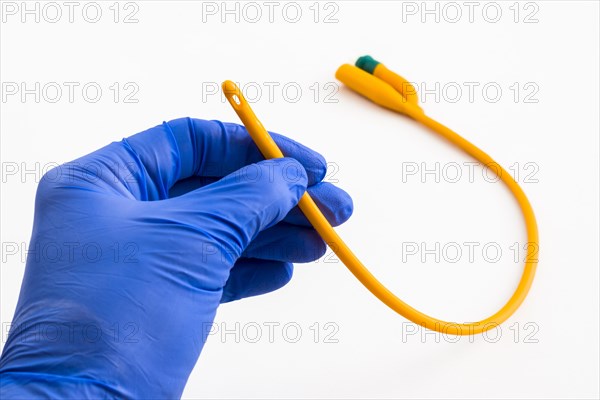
x,y
375,89
367,63
401,85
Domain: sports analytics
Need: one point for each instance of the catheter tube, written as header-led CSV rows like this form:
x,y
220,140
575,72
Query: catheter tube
x,y
270,150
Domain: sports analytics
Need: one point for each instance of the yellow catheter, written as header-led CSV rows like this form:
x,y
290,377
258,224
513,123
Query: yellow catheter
x,y
382,86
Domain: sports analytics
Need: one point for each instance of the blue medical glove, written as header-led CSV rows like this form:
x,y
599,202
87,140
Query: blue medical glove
x,y
135,246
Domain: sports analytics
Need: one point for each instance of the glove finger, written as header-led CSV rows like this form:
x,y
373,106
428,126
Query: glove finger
x,y
235,209
214,148
146,165
335,204
285,242
252,277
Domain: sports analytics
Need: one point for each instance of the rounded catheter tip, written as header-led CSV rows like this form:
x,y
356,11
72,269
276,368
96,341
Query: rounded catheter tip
x,y
229,87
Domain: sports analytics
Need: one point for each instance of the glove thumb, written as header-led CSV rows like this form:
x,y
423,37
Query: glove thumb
x,y
236,208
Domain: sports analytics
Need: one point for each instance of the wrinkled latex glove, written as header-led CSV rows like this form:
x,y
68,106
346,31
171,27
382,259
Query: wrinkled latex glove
x,y
135,246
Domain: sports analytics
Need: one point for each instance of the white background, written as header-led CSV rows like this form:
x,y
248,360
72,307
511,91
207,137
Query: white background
x,y
548,131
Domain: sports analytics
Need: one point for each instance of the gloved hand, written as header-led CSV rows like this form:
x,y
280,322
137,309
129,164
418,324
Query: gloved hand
x,y
135,246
